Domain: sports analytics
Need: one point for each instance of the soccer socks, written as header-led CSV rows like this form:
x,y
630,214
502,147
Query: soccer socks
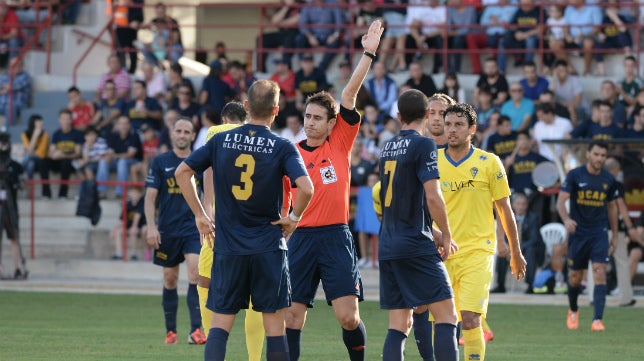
x,y
216,345
206,314
394,345
355,341
573,295
423,335
599,298
474,344
293,336
170,303
445,340
276,348
254,327
193,307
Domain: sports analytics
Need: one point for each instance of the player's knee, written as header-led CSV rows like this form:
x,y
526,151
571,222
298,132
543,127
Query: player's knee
x,y
574,278
470,320
349,321
294,317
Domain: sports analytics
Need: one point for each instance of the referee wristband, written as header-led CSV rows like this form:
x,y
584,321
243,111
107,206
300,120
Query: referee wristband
x,y
371,55
293,217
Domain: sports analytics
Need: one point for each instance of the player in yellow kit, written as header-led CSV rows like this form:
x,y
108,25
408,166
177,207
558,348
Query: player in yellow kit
x,y
474,183
233,115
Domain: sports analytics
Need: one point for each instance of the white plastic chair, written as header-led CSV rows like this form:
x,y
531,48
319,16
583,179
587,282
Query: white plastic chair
x,y
552,233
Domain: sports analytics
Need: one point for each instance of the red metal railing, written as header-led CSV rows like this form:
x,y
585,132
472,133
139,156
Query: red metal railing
x,y
350,29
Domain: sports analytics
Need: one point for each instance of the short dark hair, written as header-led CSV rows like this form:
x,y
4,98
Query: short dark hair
x,y
234,111
523,132
143,84
211,114
412,106
325,100
91,129
464,110
73,89
176,67
561,62
631,58
503,118
65,111
485,89
595,103
598,143
604,103
546,108
529,63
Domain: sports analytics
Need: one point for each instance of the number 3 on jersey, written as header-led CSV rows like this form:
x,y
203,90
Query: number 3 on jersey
x,y
244,191
390,169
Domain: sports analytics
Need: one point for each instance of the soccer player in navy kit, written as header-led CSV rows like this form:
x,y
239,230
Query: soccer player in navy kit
x,y
173,235
412,273
249,163
592,193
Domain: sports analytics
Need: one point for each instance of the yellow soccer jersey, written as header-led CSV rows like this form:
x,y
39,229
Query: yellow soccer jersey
x,y
375,195
219,128
470,187
205,255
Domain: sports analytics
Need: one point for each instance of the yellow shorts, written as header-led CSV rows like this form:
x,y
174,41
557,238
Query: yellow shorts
x,y
471,278
205,260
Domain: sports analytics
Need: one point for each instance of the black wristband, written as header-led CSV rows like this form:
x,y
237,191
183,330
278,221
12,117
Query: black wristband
x,y
371,55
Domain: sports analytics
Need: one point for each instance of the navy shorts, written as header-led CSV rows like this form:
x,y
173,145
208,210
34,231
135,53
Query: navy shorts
x,y
171,251
262,277
587,246
327,254
413,282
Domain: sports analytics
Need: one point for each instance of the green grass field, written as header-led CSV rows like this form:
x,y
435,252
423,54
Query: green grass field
x,y
75,327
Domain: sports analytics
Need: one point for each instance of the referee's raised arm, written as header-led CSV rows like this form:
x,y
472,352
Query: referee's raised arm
x,y
370,42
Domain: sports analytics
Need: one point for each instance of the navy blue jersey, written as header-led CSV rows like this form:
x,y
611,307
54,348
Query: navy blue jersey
x,y
249,164
592,130
175,218
502,145
120,145
407,161
520,172
589,196
66,142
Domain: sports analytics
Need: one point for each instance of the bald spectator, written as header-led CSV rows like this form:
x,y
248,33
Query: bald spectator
x,y
519,109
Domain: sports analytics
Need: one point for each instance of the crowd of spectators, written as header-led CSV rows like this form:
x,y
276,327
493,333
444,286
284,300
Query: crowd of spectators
x,y
127,121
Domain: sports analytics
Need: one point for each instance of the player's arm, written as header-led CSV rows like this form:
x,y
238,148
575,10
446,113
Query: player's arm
x,y
301,201
623,212
370,42
153,238
437,209
517,262
184,176
570,223
613,221
208,193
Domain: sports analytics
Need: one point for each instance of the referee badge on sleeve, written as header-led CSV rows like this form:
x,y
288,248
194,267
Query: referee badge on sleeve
x,y
328,175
